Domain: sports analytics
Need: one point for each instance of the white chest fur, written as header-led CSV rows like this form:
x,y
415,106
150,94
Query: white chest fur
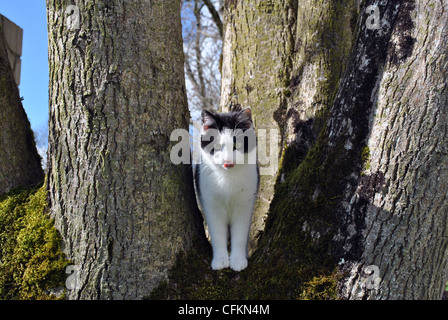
x,y
227,197
231,188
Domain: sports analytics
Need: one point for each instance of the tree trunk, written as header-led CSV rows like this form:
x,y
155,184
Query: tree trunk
x,y
398,204
257,48
280,58
19,161
117,91
372,190
357,208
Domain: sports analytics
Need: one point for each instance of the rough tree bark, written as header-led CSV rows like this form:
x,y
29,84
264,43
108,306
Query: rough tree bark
x,y
257,48
398,204
117,91
19,160
284,59
359,95
372,190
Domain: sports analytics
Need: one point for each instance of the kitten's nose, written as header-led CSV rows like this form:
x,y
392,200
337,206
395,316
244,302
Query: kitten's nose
x,y
228,164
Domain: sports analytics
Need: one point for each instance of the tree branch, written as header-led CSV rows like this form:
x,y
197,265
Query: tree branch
x,y
215,15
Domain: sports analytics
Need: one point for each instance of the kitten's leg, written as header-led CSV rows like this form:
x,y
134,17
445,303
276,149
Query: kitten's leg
x,y
218,230
239,236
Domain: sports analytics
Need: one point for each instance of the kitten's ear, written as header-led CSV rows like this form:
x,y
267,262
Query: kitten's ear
x,y
208,120
246,114
245,118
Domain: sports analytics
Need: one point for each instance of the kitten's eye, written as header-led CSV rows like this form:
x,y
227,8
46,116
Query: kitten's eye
x,y
217,146
237,145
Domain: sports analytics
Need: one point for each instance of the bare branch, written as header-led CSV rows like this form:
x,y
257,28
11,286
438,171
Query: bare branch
x,y
215,15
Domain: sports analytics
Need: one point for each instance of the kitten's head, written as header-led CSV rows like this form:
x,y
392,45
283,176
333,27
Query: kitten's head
x,y
229,138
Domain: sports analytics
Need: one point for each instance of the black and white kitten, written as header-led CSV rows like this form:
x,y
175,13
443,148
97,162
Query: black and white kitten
x,y
227,182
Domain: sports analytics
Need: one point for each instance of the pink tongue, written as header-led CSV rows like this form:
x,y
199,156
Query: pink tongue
x,y
228,165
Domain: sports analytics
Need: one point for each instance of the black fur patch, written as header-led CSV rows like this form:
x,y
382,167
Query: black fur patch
x,y
214,123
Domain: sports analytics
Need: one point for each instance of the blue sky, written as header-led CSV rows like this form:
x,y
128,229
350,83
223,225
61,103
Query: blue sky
x,y
30,15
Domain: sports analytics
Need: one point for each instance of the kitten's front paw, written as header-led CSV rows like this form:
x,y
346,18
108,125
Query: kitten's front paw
x,y
238,263
220,262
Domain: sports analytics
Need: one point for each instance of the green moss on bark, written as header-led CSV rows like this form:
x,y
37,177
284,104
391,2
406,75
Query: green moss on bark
x,y
365,159
320,288
31,260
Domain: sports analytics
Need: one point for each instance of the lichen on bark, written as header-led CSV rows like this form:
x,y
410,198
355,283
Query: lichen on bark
x,y
404,190
281,59
117,91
